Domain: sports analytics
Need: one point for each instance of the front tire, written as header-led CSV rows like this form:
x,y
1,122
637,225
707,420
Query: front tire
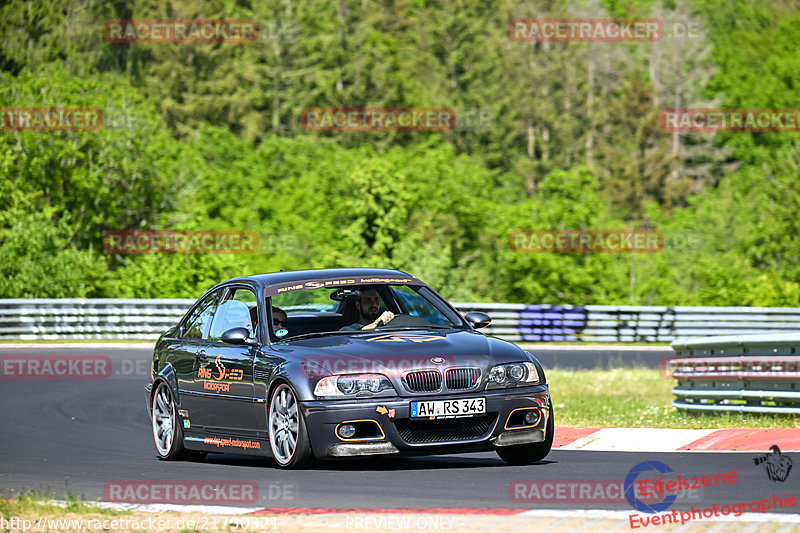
x,y
167,433
523,454
288,436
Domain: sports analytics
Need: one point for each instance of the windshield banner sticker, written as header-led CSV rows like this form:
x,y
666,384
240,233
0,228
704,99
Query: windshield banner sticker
x,y
335,282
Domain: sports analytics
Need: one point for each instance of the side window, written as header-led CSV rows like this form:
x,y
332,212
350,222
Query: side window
x,y
415,304
196,325
238,310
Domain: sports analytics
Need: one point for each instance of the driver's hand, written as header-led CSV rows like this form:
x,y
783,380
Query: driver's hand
x,y
384,319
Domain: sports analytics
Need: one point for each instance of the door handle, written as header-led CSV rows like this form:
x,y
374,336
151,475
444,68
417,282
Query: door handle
x,y
201,354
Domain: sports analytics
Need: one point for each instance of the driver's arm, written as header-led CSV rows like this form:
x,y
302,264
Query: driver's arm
x,y
382,320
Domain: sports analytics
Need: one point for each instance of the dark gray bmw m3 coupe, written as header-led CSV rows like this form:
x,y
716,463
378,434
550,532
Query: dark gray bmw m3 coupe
x,y
333,363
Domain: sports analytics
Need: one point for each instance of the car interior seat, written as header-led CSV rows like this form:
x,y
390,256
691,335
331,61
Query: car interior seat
x,y
349,313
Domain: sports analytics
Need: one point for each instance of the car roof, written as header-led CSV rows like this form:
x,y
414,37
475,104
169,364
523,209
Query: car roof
x,y
293,276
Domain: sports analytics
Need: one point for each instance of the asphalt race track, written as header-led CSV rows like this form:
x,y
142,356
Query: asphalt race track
x,y
68,435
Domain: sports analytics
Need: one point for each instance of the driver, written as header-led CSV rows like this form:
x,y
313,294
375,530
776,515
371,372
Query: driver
x,y
369,307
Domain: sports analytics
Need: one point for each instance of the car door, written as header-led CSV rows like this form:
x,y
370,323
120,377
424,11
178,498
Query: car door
x,y
226,370
186,357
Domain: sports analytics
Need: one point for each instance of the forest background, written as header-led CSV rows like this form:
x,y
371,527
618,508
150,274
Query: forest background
x,y
209,137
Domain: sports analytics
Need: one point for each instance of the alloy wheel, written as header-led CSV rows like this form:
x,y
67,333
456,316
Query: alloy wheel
x,y
283,424
163,420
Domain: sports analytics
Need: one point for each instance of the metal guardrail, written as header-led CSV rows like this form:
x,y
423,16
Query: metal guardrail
x,y
743,373
29,319
98,318
625,323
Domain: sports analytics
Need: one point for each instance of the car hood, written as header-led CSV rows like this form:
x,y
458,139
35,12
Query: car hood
x,y
396,352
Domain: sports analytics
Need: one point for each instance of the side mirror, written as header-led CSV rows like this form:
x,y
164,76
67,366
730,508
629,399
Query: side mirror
x,y
478,320
237,336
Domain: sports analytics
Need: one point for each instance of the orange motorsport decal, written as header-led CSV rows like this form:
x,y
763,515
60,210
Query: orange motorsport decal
x,y
404,338
235,374
235,443
317,284
217,387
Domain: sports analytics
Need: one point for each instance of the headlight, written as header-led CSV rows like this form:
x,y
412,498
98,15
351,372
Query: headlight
x,y
350,384
512,375
497,374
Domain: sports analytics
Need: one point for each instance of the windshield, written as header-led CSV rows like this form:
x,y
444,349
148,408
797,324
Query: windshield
x,y
353,308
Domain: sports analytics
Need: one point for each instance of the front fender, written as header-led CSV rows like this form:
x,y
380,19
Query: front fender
x,y
296,375
166,375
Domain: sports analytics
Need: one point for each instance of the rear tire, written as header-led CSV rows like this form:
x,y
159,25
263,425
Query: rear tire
x,y
167,432
523,454
288,436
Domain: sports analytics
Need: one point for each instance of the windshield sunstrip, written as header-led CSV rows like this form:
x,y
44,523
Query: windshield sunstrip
x,y
281,288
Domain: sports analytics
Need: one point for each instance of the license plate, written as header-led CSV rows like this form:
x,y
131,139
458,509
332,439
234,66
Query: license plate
x,y
448,408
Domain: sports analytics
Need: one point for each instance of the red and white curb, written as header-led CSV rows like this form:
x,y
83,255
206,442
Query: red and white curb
x,y
465,511
675,440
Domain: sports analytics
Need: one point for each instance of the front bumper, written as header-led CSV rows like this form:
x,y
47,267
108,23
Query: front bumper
x,y
399,435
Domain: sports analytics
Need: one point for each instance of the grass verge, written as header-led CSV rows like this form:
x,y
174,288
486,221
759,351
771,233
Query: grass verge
x,y
31,512
31,503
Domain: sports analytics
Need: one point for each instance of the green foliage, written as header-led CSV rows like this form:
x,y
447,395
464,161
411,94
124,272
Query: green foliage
x,y
208,137
118,177
37,261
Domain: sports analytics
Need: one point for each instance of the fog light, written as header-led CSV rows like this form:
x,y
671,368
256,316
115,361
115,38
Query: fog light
x,y
346,431
531,418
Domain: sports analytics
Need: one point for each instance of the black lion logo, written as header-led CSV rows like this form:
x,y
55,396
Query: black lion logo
x,y
778,466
